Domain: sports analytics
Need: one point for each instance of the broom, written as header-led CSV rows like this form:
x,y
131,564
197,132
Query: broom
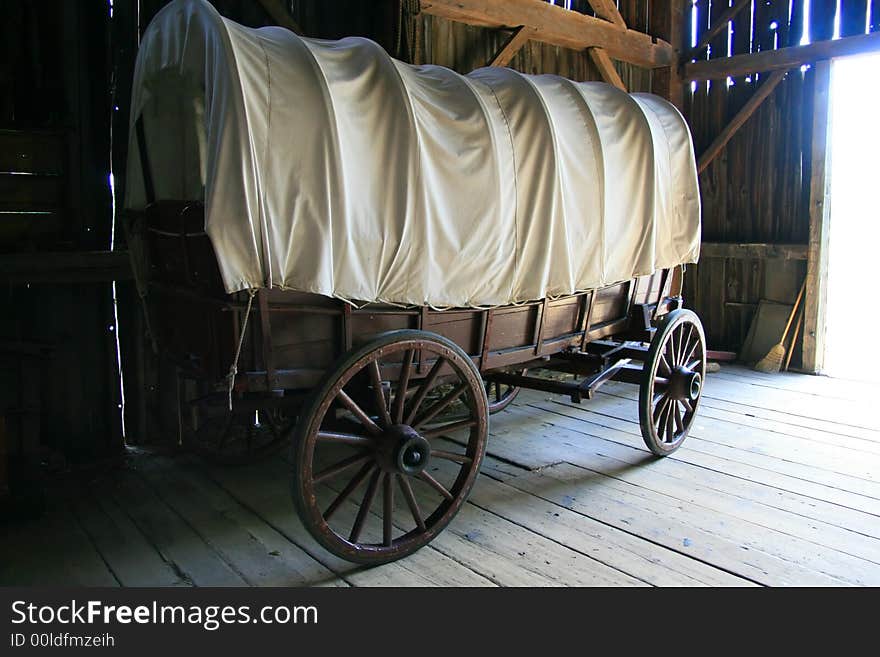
x,y
773,360
794,338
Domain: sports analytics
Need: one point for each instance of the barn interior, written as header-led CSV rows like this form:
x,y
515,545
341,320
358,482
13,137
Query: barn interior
x,y
778,483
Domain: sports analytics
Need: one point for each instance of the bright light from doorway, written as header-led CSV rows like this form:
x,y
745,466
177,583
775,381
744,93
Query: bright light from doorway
x,y
854,236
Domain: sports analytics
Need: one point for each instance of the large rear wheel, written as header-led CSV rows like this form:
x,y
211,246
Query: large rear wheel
x,y
389,447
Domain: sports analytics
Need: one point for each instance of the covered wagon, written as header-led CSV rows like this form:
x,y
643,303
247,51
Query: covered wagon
x,y
369,258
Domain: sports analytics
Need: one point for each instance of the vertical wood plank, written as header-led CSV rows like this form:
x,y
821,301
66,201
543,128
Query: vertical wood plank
x,y
817,262
852,17
822,20
796,27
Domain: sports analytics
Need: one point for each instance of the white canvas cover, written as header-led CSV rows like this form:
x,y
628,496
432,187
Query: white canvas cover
x,y
329,167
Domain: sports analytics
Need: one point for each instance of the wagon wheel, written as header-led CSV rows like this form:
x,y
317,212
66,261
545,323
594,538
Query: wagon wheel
x,y
673,381
240,438
381,418
501,394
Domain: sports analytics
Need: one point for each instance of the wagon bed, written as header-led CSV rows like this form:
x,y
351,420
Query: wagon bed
x,y
295,355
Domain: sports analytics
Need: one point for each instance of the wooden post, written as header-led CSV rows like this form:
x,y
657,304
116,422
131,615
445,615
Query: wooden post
x,y
667,23
817,256
606,67
514,43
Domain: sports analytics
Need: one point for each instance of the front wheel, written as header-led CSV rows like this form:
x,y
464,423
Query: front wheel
x,y
500,395
403,419
672,384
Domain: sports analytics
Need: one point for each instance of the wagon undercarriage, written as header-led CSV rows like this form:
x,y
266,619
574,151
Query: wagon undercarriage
x,y
387,407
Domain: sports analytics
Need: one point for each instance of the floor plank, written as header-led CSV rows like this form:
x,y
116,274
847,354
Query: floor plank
x,y
698,496
778,484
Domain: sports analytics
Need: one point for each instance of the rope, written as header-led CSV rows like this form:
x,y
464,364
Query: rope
x,y
233,369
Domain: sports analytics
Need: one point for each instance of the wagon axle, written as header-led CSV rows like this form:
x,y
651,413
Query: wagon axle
x,y
403,450
685,384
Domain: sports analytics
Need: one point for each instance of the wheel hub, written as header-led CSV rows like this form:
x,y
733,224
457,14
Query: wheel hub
x,y
404,451
685,384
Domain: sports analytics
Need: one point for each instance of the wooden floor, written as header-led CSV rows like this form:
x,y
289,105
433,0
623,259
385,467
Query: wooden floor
x,y
777,485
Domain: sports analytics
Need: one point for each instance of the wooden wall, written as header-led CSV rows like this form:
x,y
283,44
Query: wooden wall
x,y
58,382
65,76
758,189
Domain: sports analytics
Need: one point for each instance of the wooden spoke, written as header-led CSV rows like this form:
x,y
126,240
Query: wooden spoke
x,y
359,413
436,485
343,466
673,350
378,392
237,438
449,428
451,456
403,385
670,427
387,509
665,364
681,344
661,381
345,439
366,503
694,364
687,406
679,423
660,408
686,349
664,417
424,389
356,481
271,421
411,502
440,406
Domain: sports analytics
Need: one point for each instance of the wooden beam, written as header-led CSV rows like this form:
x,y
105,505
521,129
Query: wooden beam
x,y
607,9
606,67
753,250
517,40
280,15
716,29
781,59
65,267
817,260
557,26
741,117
